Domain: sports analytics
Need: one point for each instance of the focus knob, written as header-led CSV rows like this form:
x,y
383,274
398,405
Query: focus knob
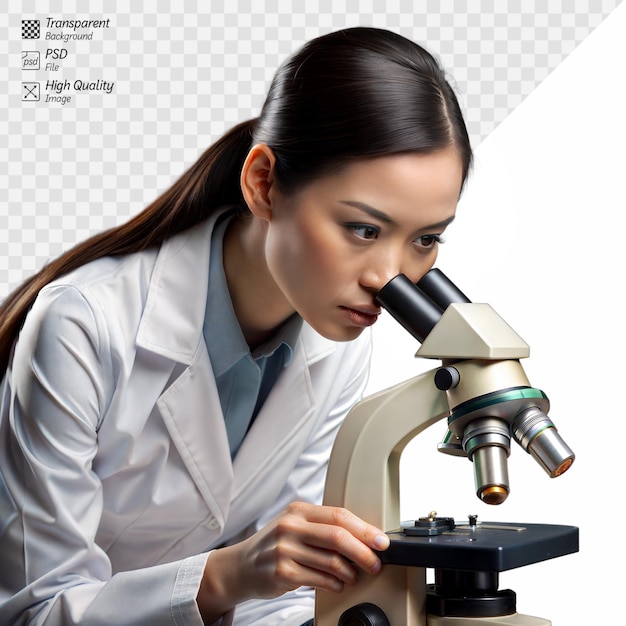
x,y
365,614
447,378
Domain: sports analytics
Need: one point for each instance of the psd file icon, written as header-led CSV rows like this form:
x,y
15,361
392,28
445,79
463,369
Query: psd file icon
x,y
31,60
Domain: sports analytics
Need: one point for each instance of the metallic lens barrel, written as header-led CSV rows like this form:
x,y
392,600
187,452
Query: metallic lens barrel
x,y
536,433
487,443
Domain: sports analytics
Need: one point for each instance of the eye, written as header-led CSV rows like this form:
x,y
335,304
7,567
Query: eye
x,y
364,231
429,241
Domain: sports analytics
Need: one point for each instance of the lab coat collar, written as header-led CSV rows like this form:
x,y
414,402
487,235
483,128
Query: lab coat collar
x,y
171,325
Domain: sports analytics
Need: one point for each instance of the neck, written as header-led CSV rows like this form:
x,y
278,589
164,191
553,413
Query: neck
x,y
259,304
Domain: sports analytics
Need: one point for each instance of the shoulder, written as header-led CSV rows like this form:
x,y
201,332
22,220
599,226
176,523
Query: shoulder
x,y
90,308
110,277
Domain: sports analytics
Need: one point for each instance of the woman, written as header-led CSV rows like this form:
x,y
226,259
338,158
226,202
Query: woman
x,y
173,386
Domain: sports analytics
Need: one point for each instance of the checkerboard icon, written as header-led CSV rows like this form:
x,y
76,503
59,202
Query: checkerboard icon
x,y
30,29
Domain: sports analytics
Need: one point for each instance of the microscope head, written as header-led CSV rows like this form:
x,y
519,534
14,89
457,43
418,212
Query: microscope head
x,y
489,396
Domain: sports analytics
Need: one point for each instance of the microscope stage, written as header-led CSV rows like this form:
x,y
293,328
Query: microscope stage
x,y
486,546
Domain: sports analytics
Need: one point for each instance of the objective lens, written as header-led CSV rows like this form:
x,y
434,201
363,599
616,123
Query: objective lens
x,y
536,433
491,474
487,443
494,495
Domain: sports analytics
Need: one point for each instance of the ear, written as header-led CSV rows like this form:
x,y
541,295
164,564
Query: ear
x,y
257,178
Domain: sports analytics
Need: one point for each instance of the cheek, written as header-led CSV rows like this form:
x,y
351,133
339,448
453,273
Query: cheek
x,y
321,253
305,262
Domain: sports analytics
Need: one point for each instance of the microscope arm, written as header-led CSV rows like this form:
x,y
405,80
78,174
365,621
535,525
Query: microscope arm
x,y
364,468
363,476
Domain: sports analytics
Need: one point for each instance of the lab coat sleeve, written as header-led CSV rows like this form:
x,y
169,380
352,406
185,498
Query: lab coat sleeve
x,y
53,573
306,482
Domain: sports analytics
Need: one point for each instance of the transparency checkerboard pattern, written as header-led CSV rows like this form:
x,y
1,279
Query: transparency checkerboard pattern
x,y
31,29
186,72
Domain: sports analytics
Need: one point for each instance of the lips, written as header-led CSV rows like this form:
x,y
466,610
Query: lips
x,y
361,315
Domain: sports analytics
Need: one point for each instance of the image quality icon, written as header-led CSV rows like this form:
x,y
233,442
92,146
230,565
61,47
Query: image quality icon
x,y
30,92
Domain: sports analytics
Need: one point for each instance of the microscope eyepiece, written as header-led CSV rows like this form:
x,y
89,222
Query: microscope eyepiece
x,y
440,289
410,306
419,307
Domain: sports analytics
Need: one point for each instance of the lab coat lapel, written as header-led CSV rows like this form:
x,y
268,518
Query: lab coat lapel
x,y
279,421
192,413
284,423
171,326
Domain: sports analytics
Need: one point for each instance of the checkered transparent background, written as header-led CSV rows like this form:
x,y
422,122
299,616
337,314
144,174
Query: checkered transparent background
x,y
185,72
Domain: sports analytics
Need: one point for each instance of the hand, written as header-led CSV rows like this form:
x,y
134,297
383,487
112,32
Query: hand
x,y
307,545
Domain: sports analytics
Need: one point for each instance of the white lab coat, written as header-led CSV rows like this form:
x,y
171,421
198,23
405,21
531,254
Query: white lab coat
x,y
116,475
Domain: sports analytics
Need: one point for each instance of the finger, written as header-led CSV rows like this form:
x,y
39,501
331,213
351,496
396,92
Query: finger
x,y
329,562
331,530
338,516
320,545
292,574
335,539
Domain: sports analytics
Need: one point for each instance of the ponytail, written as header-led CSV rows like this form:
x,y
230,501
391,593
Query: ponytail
x,y
210,183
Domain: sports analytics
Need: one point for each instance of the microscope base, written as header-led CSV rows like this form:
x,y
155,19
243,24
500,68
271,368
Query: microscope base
x,y
400,593
506,620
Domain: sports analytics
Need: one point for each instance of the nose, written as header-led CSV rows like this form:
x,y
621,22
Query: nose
x,y
378,270
384,265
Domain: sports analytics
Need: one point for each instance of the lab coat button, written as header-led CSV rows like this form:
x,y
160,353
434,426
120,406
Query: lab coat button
x,y
212,524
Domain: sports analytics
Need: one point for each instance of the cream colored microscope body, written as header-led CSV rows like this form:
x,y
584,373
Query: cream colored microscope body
x,y
482,353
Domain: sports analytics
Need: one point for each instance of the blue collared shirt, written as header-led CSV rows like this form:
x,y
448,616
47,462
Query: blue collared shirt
x,y
243,378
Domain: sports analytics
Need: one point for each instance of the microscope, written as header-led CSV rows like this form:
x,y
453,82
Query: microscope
x,y
487,399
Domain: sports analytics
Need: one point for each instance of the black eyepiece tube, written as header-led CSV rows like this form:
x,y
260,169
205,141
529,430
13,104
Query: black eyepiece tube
x,y
440,289
409,306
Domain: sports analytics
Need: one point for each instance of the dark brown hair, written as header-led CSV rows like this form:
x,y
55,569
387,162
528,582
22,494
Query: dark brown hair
x,y
352,94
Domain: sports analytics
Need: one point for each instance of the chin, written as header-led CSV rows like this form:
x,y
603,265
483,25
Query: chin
x,y
339,334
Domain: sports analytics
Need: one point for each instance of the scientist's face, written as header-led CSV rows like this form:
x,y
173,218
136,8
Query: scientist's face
x,y
333,245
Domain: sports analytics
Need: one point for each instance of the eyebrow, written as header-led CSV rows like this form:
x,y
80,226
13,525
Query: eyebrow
x,y
370,210
383,217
